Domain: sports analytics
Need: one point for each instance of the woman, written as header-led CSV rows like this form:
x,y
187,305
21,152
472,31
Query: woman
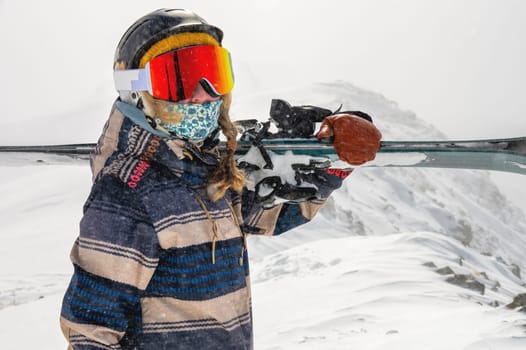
x,y
161,261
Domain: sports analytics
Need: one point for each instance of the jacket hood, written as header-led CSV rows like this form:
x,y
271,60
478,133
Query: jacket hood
x,y
129,146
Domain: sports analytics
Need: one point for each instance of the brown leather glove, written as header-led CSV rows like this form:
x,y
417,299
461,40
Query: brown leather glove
x,y
356,140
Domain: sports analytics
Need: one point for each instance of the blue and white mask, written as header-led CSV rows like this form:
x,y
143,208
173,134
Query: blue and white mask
x,y
199,120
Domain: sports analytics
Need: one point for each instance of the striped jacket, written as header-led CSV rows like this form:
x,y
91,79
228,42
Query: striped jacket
x,y
157,265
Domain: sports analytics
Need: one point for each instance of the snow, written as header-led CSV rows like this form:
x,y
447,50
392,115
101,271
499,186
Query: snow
x,y
377,294
398,159
359,276
32,325
280,166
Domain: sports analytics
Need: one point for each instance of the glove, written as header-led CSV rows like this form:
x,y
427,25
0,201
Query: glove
x,y
356,139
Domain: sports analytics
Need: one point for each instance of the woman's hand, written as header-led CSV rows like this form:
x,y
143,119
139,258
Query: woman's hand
x,y
356,139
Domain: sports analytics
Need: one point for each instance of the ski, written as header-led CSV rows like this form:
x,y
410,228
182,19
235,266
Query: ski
x,y
507,155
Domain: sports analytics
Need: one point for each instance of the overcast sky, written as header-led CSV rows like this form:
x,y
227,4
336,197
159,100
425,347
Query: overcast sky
x,y
458,64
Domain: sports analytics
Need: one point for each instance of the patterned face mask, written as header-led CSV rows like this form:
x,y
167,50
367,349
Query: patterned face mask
x,y
199,120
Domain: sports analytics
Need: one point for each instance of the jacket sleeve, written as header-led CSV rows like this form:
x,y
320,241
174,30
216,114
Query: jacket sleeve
x,y
114,258
284,215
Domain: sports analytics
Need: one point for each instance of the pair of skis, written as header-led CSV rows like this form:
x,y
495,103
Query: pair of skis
x,y
296,125
508,155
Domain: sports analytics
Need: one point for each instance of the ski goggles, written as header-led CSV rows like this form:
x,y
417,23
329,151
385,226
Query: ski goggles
x,y
174,75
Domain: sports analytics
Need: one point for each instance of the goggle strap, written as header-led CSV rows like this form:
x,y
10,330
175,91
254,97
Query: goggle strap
x,y
133,79
209,88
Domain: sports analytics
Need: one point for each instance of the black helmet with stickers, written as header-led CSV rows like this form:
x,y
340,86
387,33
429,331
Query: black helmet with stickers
x,y
152,32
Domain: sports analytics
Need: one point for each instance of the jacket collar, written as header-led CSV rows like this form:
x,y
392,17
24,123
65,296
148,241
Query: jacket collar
x,y
137,141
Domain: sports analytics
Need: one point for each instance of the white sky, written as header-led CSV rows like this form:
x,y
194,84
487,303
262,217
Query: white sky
x,y
458,64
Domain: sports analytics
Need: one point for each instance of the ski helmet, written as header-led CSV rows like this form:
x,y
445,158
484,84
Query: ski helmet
x,y
159,32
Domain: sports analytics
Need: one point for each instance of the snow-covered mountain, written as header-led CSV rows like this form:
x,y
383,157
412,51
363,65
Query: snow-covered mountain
x,y
398,258
463,204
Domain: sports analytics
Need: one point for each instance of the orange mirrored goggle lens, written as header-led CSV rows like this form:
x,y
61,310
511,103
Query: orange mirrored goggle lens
x,y
175,74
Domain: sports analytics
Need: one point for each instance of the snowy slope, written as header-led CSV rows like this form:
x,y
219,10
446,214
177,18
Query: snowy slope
x,y
376,293
354,278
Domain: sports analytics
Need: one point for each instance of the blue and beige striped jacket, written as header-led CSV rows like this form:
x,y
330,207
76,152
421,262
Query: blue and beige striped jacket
x,y
157,265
